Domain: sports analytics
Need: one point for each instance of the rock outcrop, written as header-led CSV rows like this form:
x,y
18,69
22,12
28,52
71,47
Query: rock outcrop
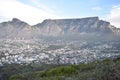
x,y
56,27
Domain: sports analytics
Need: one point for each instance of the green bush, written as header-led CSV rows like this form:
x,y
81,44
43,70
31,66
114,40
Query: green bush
x,y
108,69
17,77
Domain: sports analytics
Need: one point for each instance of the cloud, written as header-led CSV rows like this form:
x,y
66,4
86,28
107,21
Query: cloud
x,y
14,9
97,8
114,16
41,6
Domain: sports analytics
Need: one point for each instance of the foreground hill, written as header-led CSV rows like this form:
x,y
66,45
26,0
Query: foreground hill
x,y
107,69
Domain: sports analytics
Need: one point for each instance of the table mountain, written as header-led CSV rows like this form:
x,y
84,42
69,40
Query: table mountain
x,y
56,27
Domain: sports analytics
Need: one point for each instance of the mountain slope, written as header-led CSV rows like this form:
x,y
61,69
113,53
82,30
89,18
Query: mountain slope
x,y
107,69
64,26
14,28
56,27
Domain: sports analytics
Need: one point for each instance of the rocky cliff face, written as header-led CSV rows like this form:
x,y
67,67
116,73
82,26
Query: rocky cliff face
x,y
64,26
56,27
14,28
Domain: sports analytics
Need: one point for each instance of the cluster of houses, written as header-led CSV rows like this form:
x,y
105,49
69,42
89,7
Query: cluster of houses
x,y
30,51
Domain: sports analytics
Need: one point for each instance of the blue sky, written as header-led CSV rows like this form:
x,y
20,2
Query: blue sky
x,y
78,8
35,11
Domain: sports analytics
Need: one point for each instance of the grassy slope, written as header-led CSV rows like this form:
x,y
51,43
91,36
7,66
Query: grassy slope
x,y
98,70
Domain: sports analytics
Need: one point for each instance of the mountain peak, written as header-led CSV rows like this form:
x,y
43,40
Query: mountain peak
x,y
58,27
97,18
15,19
75,25
93,18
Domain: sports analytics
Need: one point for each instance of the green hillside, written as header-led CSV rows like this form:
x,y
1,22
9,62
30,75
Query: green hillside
x,y
108,69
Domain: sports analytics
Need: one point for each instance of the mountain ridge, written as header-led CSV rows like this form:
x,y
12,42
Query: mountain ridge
x,y
56,27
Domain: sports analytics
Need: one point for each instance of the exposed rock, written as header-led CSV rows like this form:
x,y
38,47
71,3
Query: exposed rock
x,y
19,29
68,26
14,29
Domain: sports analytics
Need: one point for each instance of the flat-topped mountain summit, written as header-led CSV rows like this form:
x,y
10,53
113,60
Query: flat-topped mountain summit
x,y
89,25
55,27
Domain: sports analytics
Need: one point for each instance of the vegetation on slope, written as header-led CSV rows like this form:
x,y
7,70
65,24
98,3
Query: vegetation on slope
x,y
108,69
11,69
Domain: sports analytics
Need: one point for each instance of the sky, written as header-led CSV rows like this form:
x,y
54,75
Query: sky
x,y
35,11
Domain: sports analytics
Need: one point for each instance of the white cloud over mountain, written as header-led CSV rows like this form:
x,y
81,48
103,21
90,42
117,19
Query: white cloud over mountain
x,y
14,9
114,16
37,12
